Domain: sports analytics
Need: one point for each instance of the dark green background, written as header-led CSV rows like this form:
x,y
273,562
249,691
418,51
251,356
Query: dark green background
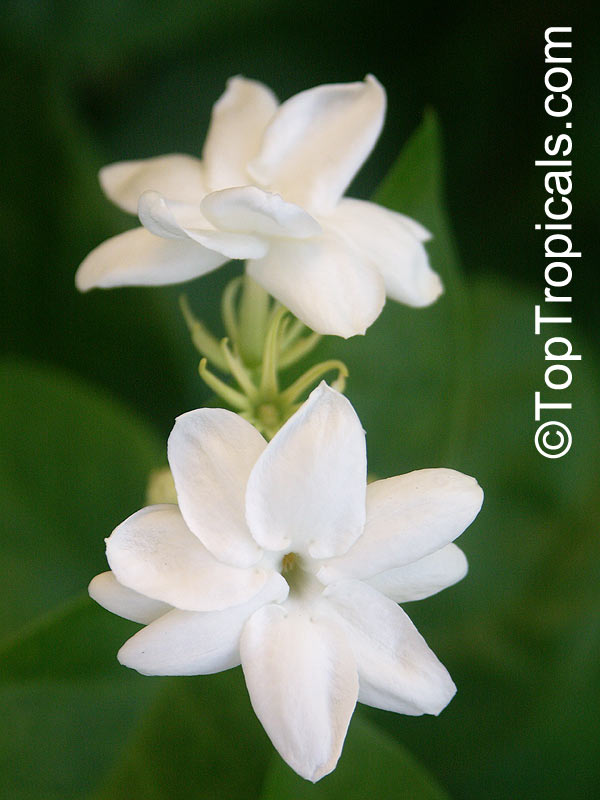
x,y
93,384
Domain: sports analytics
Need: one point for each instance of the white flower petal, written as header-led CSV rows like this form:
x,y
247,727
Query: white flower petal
x,y
211,453
306,492
178,176
106,590
396,669
424,577
173,220
318,140
408,517
238,122
392,243
323,282
193,642
250,210
138,258
302,682
153,552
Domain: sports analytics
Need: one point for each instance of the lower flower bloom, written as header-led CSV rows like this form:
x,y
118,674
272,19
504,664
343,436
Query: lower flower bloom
x,y
280,558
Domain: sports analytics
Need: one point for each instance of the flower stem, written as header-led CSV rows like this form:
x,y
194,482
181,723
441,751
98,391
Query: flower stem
x,y
234,398
312,376
203,340
253,318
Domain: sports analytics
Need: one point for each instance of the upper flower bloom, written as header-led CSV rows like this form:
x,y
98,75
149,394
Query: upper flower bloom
x,y
269,189
279,557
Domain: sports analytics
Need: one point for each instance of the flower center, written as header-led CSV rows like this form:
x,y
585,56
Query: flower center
x,y
297,572
288,562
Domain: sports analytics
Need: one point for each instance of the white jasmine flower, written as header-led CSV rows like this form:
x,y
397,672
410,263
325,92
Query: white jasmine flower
x,y
281,558
269,189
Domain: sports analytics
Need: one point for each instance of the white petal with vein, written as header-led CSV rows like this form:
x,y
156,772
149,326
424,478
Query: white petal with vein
x,y
306,492
302,682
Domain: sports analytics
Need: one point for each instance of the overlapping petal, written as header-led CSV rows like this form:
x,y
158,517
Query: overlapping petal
x,y
139,258
303,685
329,260
175,175
393,243
306,492
408,517
238,122
211,453
173,220
424,577
154,553
397,670
323,282
313,639
318,140
106,590
194,642
252,210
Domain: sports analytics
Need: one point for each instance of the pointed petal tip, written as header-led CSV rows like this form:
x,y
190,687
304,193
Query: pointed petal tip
x,y
445,698
82,281
372,80
429,292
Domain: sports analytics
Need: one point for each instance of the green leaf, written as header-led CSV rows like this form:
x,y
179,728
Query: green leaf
x,y
372,765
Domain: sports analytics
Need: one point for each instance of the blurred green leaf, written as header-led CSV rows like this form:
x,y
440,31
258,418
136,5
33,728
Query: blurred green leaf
x,y
73,464
408,377
199,739
520,634
372,765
